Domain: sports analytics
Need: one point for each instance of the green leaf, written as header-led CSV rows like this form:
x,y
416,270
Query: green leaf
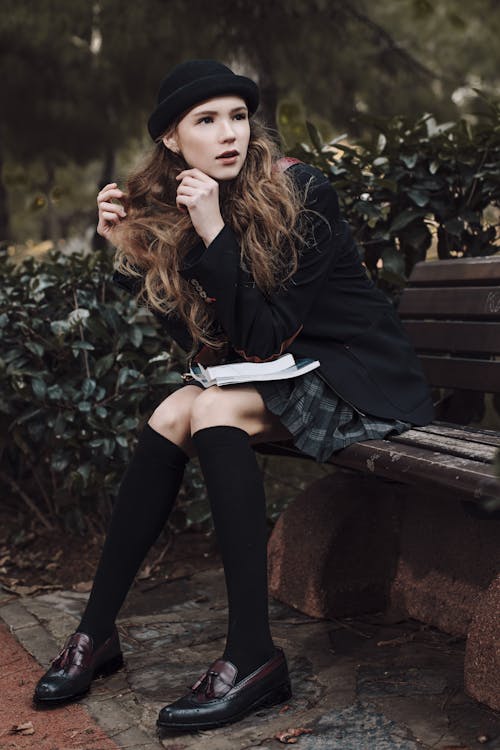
x,y
314,136
103,365
404,218
409,160
88,387
84,345
135,336
35,348
39,387
85,470
59,462
394,262
420,197
167,378
55,392
129,423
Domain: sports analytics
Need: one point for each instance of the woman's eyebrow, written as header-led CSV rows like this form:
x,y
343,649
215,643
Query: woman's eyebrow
x,y
215,112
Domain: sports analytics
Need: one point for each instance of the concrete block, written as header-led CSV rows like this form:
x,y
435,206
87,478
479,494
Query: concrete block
x,y
482,654
447,560
333,550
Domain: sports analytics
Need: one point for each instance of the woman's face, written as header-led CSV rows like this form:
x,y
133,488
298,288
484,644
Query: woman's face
x,y
210,130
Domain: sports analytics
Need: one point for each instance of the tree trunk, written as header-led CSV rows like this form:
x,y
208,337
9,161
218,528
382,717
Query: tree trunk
x,y
5,235
52,223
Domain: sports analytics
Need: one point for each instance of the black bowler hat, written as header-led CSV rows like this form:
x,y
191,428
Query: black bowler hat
x,y
192,82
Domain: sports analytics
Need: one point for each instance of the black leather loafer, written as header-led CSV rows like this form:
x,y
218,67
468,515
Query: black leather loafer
x,y
72,671
217,699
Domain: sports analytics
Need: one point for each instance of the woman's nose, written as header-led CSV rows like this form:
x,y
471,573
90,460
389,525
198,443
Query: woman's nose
x,y
227,130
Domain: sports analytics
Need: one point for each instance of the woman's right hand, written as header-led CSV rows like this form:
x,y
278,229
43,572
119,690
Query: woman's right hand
x,y
110,214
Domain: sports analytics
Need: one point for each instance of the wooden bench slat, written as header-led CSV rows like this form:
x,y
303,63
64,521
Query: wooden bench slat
x,y
466,374
454,336
485,437
429,468
451,302
408,464
460,270
444,444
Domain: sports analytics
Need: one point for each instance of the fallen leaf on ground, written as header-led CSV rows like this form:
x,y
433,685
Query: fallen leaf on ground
x,y
25,729
289,736
400,641
23,590
83,587
145,573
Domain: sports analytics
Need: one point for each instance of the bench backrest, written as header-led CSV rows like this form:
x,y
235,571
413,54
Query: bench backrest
x,y
451,311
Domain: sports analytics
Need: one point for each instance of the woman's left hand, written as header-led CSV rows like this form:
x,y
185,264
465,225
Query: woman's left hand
x,y
199,193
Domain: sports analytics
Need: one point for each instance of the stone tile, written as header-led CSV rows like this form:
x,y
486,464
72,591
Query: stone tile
x,y
357,727
359,683
423,715
377,681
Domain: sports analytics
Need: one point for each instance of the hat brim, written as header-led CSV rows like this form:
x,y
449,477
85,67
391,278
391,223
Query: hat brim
x,y
198,91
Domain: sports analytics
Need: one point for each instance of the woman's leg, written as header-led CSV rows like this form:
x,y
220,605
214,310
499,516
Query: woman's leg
x,y
145,499
225,421
147,494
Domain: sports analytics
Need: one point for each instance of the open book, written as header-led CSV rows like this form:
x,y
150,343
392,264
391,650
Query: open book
x,y
244,372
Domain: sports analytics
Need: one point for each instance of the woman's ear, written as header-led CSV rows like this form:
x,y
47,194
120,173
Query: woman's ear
x,y
170,142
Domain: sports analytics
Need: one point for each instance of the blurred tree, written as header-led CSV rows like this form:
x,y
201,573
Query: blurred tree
x,y
80,78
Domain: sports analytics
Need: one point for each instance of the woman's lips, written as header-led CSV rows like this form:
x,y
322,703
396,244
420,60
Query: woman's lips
x,y
228,155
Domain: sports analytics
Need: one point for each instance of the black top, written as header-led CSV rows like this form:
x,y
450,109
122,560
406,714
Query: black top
x,y
329,310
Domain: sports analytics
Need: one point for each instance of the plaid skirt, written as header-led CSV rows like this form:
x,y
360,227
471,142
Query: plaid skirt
x,y
320,421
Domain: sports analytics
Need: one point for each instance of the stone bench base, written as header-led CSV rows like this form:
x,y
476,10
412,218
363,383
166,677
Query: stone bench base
x,y
352,543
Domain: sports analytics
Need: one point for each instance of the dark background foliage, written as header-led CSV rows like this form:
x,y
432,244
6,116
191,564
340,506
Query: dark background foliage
x,y
346,86
82,367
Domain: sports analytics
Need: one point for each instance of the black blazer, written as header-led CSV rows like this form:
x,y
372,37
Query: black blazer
x,y
329,310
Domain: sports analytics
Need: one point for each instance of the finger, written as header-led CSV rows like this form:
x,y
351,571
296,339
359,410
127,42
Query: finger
x,y
115,207
187,190
184,201
194,173
108,216
111,193
193,182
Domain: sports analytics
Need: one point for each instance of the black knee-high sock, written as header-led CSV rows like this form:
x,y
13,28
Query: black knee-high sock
x,y
237,500
146,496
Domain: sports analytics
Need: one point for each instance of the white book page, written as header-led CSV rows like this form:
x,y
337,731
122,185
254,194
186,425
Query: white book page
x,y
249,368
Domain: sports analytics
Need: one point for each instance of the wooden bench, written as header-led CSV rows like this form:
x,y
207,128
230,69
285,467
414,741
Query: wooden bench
x,y
410,527
451,311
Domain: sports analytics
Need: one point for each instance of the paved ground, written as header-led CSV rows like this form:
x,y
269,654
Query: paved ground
x,y
359,683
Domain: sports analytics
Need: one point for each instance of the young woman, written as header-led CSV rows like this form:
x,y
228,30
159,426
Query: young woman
x,y
240,260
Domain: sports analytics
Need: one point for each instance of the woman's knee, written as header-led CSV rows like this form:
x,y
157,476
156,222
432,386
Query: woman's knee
x,y
212,408
234,406
172,417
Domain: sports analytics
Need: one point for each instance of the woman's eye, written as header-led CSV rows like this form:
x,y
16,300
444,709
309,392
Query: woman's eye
x,y
205,119
241,116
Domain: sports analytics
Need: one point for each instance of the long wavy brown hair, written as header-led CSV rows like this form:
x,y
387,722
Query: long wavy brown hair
x,y
262,206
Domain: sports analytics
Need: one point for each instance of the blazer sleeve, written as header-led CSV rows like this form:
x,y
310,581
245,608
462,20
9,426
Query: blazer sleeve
x,y
261,327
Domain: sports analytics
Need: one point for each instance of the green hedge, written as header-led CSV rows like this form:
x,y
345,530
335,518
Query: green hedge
x,y
81,369
408,179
